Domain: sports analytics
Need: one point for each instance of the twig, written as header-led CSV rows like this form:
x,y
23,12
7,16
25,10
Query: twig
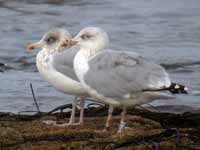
x,y
62,107
177,138
92,100
93,104
35,101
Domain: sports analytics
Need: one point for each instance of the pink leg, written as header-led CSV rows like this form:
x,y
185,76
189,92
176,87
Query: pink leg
x,y
82,107
73,112
109,119
122,122
72,117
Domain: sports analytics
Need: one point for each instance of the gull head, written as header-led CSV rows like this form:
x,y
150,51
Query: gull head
x,y
90,38
50,40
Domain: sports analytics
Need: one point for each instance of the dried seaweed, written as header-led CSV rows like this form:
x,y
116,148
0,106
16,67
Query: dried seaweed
x,y
150,131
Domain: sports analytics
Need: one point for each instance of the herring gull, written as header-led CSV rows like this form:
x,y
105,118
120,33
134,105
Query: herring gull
x,y
118,78
56,66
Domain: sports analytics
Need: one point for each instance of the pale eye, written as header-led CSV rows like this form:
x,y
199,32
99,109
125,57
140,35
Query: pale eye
x,y
86,36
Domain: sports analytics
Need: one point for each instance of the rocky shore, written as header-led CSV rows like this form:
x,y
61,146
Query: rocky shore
x,y
148,131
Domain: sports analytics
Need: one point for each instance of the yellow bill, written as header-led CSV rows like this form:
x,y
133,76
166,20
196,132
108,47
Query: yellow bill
x,y
67,43
32,46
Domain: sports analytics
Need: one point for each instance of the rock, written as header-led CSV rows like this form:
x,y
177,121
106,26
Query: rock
x,y
10,136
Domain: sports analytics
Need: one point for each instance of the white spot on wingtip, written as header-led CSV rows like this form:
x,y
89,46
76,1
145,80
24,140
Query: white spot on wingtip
x,y
185,88
177,87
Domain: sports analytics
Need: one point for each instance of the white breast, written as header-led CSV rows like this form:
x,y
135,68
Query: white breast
x,y
55,78
81,67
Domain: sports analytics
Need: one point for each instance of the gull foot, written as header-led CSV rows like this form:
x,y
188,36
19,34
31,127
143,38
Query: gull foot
x,y
103,131
122,127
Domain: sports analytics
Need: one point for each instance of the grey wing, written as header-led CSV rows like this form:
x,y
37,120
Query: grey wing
x,y
63,62
115,74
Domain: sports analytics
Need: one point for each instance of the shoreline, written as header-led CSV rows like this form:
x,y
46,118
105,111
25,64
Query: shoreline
x,y
165,130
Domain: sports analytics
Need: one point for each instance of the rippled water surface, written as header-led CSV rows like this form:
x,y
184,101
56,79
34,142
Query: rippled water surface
x,y
167,32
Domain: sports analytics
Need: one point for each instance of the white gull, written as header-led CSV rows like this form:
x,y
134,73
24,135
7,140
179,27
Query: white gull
x,y
56,66
118,78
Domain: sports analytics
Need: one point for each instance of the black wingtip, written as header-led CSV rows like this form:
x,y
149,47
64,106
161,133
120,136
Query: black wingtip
x,y
178,89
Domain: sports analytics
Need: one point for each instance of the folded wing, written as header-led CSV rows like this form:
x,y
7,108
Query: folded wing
x,y
115,74
63,62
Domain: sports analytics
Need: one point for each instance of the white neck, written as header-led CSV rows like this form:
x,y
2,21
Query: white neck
x,y
43,58
81,65
89,53
51,51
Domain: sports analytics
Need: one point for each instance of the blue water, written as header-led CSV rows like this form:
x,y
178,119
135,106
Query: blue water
x,y
167,32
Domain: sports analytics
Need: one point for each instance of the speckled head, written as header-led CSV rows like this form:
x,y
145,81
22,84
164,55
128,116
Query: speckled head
x,y
89,38
50,40
93,38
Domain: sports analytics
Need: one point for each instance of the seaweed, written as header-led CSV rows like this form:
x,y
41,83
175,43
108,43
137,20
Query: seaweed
x,y
148,131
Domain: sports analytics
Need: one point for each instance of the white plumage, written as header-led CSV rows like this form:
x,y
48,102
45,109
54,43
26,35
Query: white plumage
x,y
56,66
117,78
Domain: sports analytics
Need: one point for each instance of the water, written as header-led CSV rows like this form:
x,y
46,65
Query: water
x,y
167,32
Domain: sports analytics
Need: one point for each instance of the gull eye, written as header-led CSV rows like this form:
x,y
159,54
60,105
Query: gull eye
x,y
51,40
86,36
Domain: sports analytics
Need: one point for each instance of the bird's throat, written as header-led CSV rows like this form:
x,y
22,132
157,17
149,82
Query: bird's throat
x,y
81,65
88,54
